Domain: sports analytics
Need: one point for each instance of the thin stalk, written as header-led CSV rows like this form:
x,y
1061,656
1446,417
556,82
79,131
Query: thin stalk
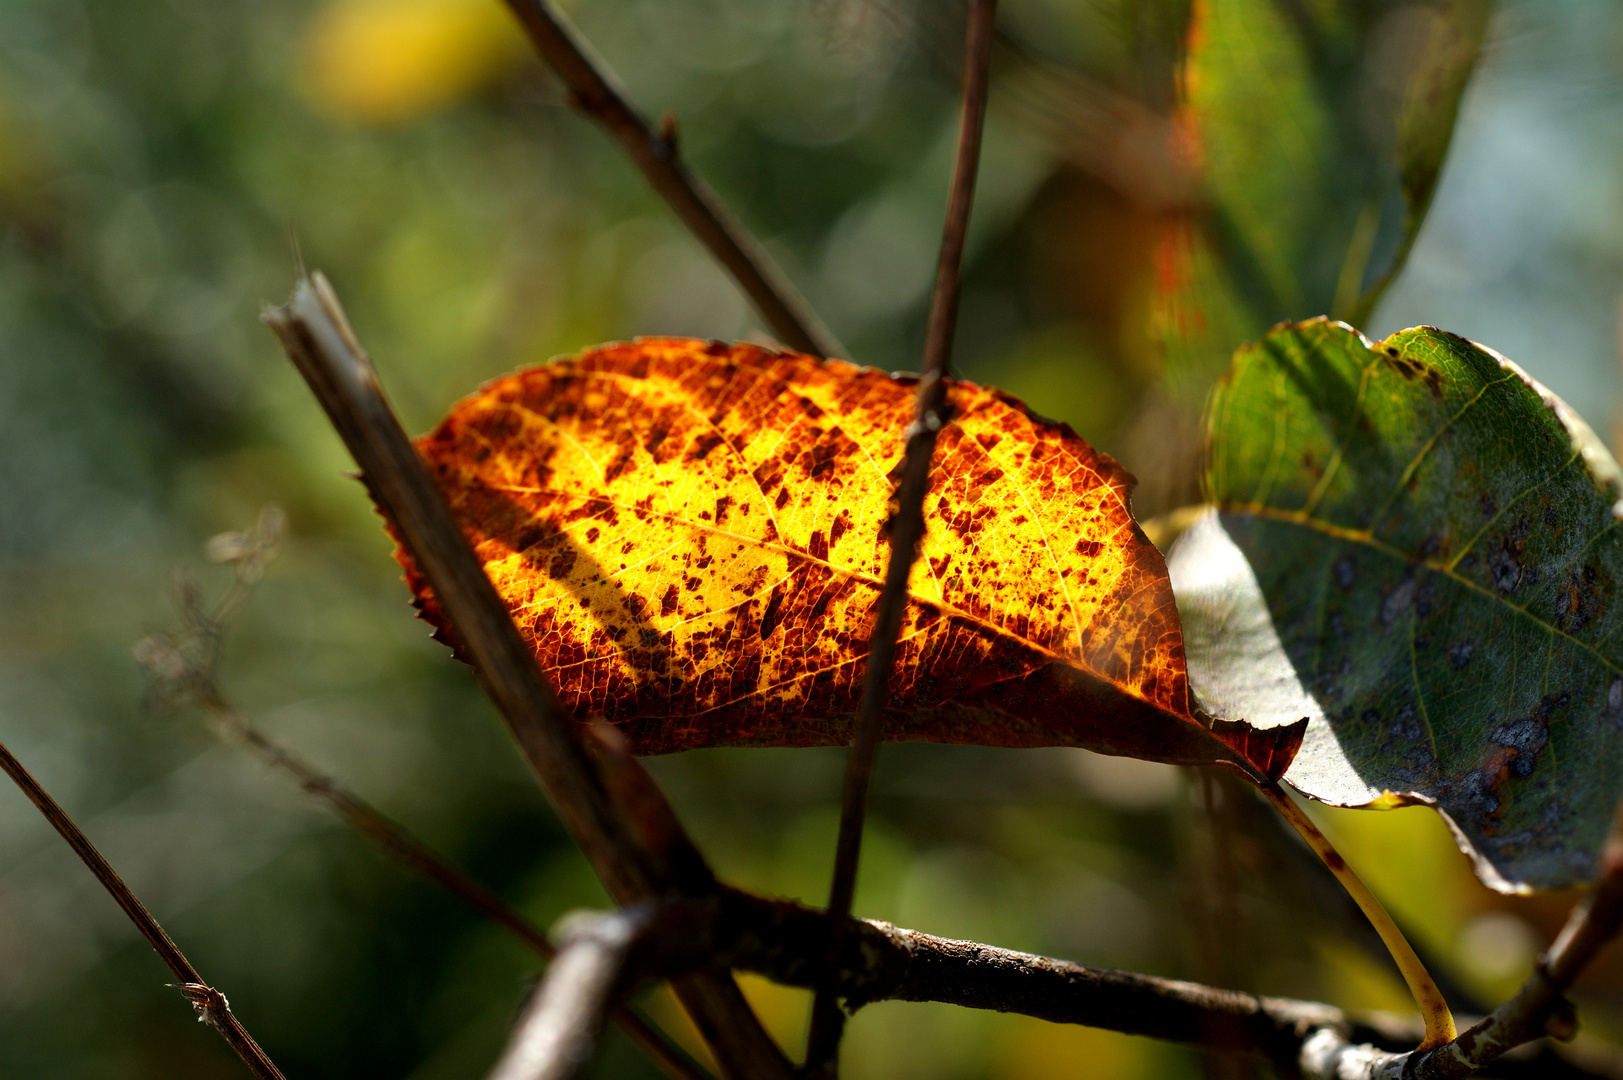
x,y
210,1005
1434,1010
907,525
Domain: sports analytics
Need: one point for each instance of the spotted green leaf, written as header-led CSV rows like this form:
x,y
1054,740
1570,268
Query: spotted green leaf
x,y
1416,546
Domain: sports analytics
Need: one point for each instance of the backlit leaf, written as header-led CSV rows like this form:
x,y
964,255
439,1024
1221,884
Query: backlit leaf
x,y
690,535
1418,549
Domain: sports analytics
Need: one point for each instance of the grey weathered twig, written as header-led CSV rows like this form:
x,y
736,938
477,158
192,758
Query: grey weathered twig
x,y
553,1038
320,342
907,523
211,1005
595,90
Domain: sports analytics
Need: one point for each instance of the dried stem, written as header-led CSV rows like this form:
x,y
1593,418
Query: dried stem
x,y
907,524
184,664
595,90
553,1038
320,342
210,1005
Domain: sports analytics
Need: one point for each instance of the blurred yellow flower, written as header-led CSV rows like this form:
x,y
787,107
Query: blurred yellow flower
x,y
384,61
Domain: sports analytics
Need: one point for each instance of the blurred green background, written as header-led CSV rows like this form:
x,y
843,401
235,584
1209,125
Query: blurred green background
x,y
155,154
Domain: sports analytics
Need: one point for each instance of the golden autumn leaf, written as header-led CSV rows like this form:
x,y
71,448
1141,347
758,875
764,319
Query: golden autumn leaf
x,y
691,536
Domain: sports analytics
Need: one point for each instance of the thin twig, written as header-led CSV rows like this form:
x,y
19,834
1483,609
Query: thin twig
x,y
553,1039
907,524
318,339
210,1005
595,90
411,852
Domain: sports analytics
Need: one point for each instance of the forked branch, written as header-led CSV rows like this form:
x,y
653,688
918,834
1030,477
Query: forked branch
x,y
210,1005
907,522
595,90
612,833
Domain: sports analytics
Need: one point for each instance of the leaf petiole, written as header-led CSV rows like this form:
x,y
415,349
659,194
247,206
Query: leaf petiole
x,y
1433,1009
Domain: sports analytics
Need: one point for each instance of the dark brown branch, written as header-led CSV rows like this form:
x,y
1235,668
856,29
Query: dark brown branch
x,y
210,1004
907,523
320,342
554,1037
595,90
793,945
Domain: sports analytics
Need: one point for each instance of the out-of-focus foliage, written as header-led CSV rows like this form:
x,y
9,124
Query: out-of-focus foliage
x,y
153,156
1312,136
377,61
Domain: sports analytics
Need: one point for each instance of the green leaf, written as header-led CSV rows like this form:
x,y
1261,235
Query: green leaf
x,y
1416,546
1316,132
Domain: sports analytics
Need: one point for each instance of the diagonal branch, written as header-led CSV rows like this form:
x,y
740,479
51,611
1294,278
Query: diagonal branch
x,y
211,1005
595,90
907,524
612,833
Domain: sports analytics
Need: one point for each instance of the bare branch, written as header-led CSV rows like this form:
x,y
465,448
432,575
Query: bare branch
x,y
792,944
318,339
210,1005
907,524
553,1038
595,90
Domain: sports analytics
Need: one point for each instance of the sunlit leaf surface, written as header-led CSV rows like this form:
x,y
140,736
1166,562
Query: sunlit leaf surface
x,y
1418,549
691,536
